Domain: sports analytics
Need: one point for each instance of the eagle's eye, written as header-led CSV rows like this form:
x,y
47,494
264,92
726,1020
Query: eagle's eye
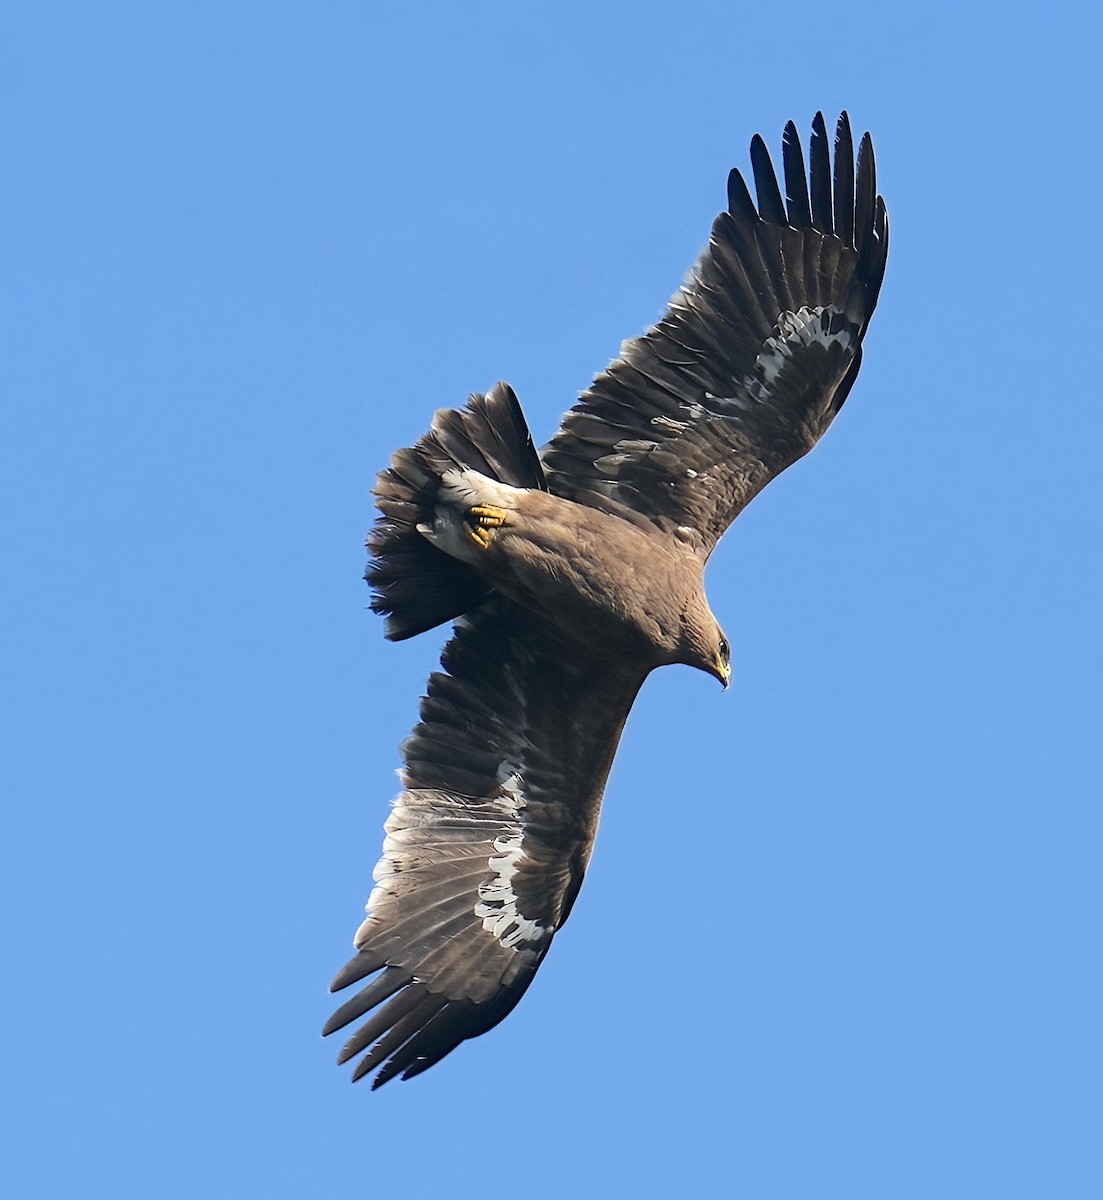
x,y
725,651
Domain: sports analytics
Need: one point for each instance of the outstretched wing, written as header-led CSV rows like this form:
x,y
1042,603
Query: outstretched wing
x,y
488,841
753,358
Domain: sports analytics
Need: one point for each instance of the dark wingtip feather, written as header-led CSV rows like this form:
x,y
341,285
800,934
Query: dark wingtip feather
x,y
844,180
796,180
865,198
380,989
819,166
740,204
765,181
354,970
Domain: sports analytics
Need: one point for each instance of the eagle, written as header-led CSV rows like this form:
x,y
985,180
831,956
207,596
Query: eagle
x,y
572,573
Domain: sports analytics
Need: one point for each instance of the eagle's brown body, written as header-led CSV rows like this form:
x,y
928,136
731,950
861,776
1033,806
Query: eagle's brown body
x,y
620,593
572,574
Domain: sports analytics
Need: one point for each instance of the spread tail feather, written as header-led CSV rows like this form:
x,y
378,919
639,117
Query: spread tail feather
x,y
415,585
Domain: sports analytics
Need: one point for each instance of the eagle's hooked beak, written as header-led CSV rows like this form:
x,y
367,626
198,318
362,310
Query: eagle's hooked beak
x,y
724,674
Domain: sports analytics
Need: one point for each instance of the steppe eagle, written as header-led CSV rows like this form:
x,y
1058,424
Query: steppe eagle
x,y
572,573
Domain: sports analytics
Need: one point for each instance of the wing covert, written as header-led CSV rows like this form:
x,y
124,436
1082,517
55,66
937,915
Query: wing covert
x,y
752,359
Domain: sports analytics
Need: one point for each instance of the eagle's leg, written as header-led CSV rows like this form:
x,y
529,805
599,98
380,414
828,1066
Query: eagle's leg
x,y
480,519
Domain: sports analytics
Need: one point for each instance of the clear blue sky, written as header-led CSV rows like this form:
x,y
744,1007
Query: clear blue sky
x,y
841,933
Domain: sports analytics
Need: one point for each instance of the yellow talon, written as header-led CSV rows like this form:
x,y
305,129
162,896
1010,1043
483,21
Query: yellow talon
x,y
488,515
480,519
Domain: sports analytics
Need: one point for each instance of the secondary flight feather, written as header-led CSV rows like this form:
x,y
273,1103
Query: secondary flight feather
x,y
571,574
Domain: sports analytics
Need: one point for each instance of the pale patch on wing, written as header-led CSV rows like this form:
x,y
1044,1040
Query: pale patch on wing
x,y
627,450
824,325
663,422
498,907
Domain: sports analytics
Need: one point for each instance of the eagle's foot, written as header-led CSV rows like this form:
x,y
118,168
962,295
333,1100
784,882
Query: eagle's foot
x,y
480,519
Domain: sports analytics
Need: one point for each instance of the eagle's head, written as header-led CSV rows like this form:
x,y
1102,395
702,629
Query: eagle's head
x,y
703,643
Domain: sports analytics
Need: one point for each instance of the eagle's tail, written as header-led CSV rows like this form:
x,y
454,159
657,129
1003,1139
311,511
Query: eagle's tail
x,y
415,585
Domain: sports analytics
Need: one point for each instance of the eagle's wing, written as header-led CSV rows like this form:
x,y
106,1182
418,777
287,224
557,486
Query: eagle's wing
x,y
488,841
751,361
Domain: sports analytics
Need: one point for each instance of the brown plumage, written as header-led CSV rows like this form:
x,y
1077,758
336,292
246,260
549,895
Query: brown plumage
x,y
572,574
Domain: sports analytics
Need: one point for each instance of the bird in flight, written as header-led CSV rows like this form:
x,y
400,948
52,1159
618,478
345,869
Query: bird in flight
x,y
573,573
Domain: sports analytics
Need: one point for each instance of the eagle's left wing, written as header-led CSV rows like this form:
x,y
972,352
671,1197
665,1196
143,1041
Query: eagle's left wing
x,y
488,841
751,361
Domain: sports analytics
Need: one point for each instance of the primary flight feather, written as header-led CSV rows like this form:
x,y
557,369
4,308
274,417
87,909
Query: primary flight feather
x,y
571,574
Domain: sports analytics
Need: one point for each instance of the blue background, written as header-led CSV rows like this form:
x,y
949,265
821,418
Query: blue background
x,y
841,934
